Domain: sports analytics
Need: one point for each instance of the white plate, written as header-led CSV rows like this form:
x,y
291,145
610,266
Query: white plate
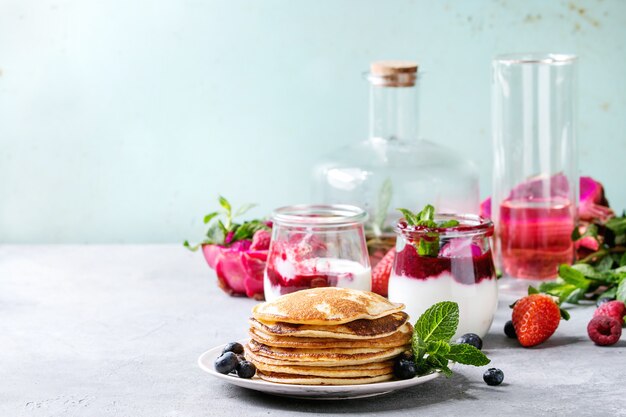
x,y
316,392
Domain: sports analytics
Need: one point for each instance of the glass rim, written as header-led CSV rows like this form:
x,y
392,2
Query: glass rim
x,y
535,58
319,215
470,225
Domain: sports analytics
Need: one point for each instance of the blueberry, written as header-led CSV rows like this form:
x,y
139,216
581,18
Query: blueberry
x,y
493,376
226,363
509,330
404,369
233,347
246,369
603,300
471,339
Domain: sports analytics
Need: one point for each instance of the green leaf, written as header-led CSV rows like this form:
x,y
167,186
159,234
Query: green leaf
x,y
588,271
467,355
225,205
448,223
439,322
610,293
532,290
605,264
617,225
244,209
575,296
210,217
620,293
408,216
438,347
427,213
192,248
428,247
215,234
564,314
440,363
572,276
575,234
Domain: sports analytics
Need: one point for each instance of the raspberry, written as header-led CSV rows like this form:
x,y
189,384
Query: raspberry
x,y
615,309
604,330
261,240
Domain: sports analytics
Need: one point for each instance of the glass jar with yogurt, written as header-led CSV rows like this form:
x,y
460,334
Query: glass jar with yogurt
x,y
461,269
317,246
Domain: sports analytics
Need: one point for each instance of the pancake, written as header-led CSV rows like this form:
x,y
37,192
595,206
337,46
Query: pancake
x,y
399,338
368,369
316,380
320,357
357,329
325,306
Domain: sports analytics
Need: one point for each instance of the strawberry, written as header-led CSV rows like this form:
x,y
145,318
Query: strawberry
x,y
614,309
381,273
535,318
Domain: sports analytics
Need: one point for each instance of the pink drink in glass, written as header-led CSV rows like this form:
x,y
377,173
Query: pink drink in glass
x,y
535,237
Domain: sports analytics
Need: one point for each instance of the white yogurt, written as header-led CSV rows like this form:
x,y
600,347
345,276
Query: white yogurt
x,y
350,274
477,302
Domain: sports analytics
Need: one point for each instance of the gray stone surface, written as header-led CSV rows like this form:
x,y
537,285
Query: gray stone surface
x,y
116,331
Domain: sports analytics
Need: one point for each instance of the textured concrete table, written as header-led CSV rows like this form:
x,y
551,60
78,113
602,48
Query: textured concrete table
x,y
116,331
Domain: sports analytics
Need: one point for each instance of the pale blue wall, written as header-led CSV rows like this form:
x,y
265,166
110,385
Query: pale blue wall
x,y
120,121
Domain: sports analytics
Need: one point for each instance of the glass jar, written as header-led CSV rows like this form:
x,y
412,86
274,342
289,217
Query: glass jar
x,y
535,176
317,246
460,270
394,167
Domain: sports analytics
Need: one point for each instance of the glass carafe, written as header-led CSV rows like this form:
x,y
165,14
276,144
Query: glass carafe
x,y
394,167
316,246
535,176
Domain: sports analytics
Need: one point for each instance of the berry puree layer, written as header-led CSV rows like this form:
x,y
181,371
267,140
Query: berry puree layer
x,y
435,264
284,277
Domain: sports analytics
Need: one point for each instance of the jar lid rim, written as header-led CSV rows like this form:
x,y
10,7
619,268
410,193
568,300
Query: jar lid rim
x,y
470,225
319,215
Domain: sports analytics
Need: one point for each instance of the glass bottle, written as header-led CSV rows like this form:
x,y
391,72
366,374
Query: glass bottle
x,y
317,246
394,167
535,176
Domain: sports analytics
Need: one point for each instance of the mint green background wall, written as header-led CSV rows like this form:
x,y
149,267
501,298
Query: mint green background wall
x,y
121,121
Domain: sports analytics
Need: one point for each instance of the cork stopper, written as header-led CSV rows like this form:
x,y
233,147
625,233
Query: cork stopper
x,y
393,73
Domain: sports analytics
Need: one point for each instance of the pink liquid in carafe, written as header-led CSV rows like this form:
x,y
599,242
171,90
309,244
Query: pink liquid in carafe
x,y
535,237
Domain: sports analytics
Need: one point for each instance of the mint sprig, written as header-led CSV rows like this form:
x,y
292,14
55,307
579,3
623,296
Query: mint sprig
x,y
428,243
223,230
431,341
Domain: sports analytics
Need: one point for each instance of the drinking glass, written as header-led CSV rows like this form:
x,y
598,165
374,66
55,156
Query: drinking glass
x,y
535,176
317,246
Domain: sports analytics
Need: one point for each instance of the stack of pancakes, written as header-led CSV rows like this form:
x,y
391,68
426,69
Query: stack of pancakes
x,y
327,336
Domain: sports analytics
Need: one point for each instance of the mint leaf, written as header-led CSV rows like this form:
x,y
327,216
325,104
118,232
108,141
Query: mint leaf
x,y
427,213
564,314
438,362
408,216
620,293
190,247
617,225
605,264
449,223
573,276
532,290
225,205
428,247
438,347
467,355
210,216
244,209
622,260
439,322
